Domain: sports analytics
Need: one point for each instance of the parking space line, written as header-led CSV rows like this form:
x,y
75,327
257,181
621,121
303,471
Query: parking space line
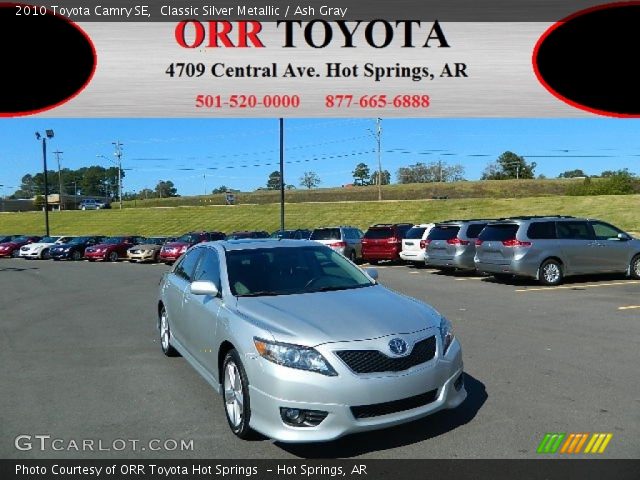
x,y
573,287
470,278
629,307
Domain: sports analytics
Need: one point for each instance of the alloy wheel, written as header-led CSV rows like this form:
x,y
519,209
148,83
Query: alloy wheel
x,y
233,394
551,273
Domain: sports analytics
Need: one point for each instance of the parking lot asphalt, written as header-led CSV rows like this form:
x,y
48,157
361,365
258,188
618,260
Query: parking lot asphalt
x,y
80,360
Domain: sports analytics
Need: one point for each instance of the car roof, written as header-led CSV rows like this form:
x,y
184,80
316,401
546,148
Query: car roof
x,y
253,243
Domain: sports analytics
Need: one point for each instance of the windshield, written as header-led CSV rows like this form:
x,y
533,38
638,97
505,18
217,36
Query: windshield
x,y
154,240
187,238
114,240
20,239
75,241
291,270
49,239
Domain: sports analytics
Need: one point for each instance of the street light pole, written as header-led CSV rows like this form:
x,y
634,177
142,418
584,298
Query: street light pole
x,y
49,135
379,139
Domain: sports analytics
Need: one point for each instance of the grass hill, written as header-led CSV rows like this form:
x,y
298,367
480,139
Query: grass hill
x,y
621,210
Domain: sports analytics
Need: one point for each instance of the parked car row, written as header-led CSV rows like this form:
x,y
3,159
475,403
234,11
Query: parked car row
x,y
545,248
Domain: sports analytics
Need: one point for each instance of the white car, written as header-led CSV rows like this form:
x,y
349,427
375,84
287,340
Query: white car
x,y
413,243
40,250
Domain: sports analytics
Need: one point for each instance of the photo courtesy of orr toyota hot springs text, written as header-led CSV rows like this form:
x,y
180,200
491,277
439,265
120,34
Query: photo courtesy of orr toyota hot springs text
x,y
309,240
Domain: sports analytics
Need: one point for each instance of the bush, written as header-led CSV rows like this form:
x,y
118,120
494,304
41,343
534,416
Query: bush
x,y
618,184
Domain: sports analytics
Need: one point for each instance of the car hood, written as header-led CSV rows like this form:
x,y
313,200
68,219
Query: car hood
x,y
106,245
11,244
145,246
35,246
315,318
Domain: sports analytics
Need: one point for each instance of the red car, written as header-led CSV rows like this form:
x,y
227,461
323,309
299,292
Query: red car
x,y
383,241
111,249
12,247
170,252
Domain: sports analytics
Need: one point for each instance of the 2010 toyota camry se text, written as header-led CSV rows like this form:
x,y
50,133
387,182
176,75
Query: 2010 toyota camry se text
x,y
302,344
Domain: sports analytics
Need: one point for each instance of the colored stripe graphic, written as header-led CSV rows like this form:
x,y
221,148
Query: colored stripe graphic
x,y
550,442
573,443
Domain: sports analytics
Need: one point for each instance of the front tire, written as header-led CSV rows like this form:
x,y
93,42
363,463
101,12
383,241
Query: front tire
x,y
76,255
635,267
550,273
165,335
113,256
44,255
373,262
235,395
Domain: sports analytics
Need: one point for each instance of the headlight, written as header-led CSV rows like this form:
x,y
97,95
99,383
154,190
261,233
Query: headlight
x,y
446,334
294,356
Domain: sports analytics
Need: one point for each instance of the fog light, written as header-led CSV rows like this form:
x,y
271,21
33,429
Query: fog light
x,y
296,417
459,383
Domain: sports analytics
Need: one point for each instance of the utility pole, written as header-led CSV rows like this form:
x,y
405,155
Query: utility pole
x,y
118,155
281,174
379,139
57,153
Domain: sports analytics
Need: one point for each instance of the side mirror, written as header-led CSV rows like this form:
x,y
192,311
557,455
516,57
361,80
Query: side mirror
x,y
372,272
623,236
204,287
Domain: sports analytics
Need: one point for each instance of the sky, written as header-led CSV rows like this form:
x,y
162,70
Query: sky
x,y
199,155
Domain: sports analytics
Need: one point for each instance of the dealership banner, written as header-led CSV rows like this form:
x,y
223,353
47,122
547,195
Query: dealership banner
x,y
320,59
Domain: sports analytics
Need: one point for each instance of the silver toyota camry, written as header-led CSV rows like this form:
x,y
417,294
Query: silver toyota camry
x,y
303,345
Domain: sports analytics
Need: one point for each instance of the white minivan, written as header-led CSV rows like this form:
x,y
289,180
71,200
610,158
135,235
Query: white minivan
x,y
413,245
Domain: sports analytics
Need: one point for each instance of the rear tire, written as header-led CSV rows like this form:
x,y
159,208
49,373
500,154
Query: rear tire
x,y
550,273
374,262
635,267
76,255
235,395
352,256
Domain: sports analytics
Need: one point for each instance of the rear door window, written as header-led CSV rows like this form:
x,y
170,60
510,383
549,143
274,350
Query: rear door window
x,y
499,232
574,231
542,230
443,232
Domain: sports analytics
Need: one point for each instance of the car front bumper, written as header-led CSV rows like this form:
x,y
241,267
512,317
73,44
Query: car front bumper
x,y
95,255
290,388
145,256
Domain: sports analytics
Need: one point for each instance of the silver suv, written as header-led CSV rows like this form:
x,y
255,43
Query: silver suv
x,y
345,240
553,247
452,244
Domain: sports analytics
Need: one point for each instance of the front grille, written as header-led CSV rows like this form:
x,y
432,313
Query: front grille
x,y
373,361
378,409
